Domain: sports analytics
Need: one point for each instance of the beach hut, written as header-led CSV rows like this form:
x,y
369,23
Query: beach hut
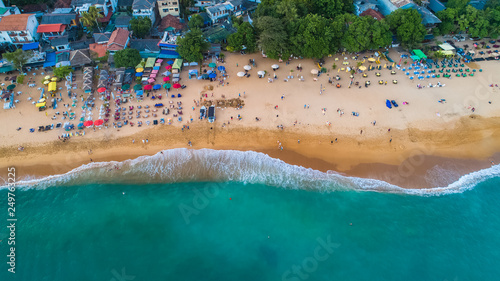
x,y
177,66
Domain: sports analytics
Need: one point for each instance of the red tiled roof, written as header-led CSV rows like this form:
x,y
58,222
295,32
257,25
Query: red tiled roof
x,y
58,27
171,21
14,22
372,13
108,17
100,49
118,39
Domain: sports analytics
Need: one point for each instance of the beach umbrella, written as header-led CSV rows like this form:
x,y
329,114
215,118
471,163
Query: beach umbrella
x,y
47,77
46,82
125,86
11,86
371,59
148,87
168,67
212,64
204,76
167,86
212,75
221,68
99,122
166,79
247,67
275,66
157,86
261,73
88,123
53,79
363,68
138,74
140,69
176,86
241,74
151,80
314,71
101,90
170,62
137,87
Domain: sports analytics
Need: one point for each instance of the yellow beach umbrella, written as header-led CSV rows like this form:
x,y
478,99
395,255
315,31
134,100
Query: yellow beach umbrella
x,y
140,69
46,82
363,68
47,77
371,59
385,65
53,79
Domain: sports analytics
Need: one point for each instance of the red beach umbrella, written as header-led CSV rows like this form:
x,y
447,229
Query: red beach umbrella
x,y
148,87
98,122
168,67
166,79
101,90
176,86
88,123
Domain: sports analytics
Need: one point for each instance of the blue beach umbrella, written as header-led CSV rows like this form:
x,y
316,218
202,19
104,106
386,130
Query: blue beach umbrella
x,y
157,86
170,62
212,75
221,68
138,74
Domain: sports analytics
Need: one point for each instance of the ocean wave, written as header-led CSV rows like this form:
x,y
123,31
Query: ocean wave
x,y
186,165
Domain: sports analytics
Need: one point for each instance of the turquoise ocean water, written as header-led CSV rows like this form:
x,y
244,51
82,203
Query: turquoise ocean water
x,y
194,225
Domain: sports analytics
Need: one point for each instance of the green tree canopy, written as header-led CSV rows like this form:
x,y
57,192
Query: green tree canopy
x,y
196,21
313,37
366,33
457,4
330,8
192,46
140,26
273,38
89,19
407,25
62,71
18,58
245,36
127,58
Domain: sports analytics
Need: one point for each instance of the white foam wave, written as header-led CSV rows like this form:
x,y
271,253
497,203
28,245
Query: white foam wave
x,y
184,165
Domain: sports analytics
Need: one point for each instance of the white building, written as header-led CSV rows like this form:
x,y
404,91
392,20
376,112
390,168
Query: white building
x,y
222,11
144,8
168,7
18,29
106,6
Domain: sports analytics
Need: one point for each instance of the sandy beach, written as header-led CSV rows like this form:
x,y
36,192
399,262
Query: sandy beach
x,y
455,127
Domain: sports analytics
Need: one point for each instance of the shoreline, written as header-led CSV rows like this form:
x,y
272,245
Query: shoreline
x,y
429,160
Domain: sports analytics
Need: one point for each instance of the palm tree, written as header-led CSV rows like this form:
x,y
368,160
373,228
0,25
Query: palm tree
x,y
89,19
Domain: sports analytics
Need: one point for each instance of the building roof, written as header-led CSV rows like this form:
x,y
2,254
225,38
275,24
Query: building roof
x,y
122,21
78,3
122,3
55,18
102,37
145,45
31,8
14,22
118,39
436,6
100,49
372,13
478,4
143,4
57,27
59,41
217,8
171,21
80,57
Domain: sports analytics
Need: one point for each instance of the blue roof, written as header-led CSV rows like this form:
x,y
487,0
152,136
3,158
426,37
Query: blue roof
x,y
50,60
168,54
31,46
168,45
436,6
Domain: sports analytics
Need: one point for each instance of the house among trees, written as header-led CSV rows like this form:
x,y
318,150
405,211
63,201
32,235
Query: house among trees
x,y
222,11
118,40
